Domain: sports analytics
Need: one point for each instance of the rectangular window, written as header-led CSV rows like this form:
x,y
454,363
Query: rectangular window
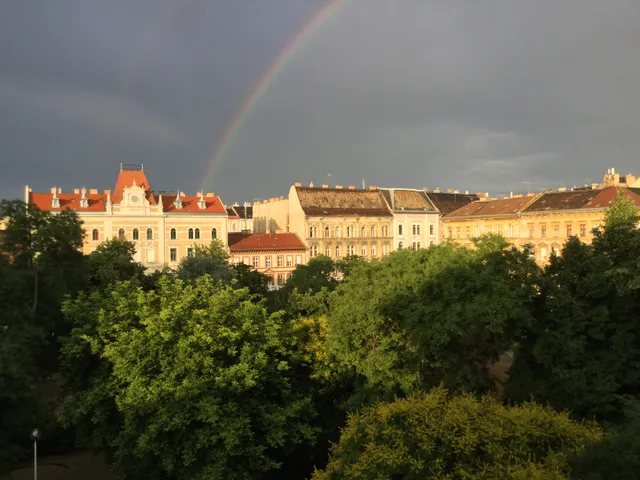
x,y
267,262
543,253
373,250
499,229
418,229
569,231
280,260
530,231
327,251
289,261
256,262
543,231
236,261
583,229
299,257
556,231
189,252
280,279
468,232
399,229
430,229
510,230
245,260
488,228
415,232
173,254
457,232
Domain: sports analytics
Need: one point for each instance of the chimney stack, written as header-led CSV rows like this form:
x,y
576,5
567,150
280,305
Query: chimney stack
x,y
351,187
310,184
297,184
338,187
324,185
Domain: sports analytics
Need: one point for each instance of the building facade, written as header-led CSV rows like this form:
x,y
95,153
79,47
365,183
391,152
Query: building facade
x,y
164,226
240,218
275,255
544,221
339,222
415,219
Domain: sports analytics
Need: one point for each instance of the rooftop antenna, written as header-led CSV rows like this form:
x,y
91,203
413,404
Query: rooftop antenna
x,y
529,184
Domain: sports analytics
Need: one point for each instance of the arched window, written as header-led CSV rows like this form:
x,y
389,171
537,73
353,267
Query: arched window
x,y
400,245
431,244
136,234
214,233
418,244
191,234
326,232
149,234
197,233
95,235
363,232
373,231
337,232
337,250
415,246
121,233
173,234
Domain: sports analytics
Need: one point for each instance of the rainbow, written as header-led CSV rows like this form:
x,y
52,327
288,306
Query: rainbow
x,y
263,84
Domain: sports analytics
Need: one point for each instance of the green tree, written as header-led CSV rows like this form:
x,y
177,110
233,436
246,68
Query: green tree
x,y
582,352
443,314
111,262
196,381
246,277
438,436
206,260
21,341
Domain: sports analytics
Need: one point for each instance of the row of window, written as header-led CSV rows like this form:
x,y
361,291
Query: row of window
x,y
510,231
416,229
350,232
416,245
281,261
192,234
350,250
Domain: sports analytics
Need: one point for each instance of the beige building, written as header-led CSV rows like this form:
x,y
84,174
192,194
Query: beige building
x,y
335,222
163,226
275,255
447,202
486,216
544,221
415,219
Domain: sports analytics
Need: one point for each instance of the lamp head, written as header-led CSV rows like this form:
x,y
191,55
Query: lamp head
x,y
35,434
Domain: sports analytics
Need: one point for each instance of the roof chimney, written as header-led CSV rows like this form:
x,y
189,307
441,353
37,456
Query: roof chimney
x,y
449,191
324,185
310,184
76,191
210,194
55,201
297,184
466,192
373,188
107,192
351,187
456,191
338,187
53,191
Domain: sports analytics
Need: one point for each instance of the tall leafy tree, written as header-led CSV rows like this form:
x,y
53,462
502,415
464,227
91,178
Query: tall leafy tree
x,y
113,261
196,381
582,351
440,436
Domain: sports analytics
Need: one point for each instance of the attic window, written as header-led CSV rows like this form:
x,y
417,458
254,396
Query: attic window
x,y
177,202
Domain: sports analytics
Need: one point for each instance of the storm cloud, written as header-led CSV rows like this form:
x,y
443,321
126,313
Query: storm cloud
x,y
474,95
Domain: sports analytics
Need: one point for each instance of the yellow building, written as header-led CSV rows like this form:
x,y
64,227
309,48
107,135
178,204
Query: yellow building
x,y
544,221
485,216
164,227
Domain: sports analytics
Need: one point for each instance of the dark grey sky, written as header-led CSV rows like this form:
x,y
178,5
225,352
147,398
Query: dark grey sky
x,y
468,94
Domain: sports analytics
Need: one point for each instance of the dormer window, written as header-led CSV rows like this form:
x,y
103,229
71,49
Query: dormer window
x,y
201,203
177,202
55,201
84,202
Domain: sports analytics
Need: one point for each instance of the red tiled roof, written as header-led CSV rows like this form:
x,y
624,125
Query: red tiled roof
x,y
190,205
504,207
126,178
581,199
246,242
68,201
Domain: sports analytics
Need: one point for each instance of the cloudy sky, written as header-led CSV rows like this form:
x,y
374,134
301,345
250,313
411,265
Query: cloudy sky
x,y
478,95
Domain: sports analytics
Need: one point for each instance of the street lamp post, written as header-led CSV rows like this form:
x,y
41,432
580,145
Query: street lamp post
x,y
35,435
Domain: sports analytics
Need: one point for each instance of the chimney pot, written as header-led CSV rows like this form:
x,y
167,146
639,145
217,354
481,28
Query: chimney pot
x,y
53,190
76,191
324,185
338,187
310,184
351,187
210,194
59,191
297,184
373,188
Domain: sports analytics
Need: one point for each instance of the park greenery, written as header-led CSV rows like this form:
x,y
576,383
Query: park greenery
x,y
354,369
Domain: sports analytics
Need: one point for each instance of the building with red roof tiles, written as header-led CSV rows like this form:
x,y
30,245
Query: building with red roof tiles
x,y
275,255
164,226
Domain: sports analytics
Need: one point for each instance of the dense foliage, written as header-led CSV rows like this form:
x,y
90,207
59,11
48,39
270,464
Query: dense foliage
x,y
437,436
203,373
